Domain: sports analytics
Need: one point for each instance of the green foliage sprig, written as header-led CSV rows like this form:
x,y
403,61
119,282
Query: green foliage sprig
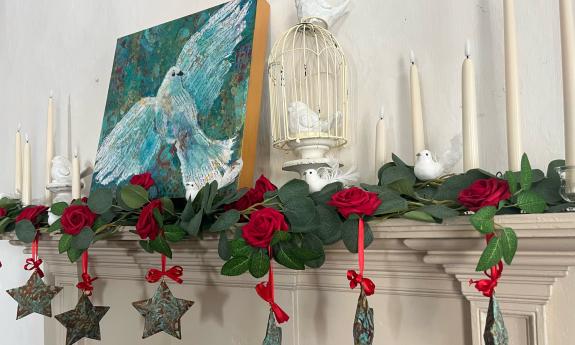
x,y
313,224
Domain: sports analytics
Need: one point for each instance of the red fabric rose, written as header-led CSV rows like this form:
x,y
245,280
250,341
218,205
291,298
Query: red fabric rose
x,y
145,180
355,200
254,195
77,217
31,213
258,232
3,212
147,226
484,192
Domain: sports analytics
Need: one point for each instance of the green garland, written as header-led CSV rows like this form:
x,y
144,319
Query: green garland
x,y
313,224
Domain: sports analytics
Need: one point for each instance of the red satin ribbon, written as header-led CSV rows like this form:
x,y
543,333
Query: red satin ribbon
x,y
487,286
355,278
86,283
173,273
34,262
266,292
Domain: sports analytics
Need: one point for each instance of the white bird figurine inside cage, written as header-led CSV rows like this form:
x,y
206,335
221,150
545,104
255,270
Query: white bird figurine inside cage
x,y
303,119
322,176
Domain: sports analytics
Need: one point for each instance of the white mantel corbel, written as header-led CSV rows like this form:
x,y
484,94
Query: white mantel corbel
x,y
408,261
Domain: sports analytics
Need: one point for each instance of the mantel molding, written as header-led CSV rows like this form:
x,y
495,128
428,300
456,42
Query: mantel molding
x,y
407,258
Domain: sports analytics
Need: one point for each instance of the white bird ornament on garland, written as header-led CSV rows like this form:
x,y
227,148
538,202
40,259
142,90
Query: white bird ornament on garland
x,y
321,177
427,167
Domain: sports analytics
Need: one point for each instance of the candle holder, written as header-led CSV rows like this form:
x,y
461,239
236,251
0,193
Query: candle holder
x,y
567,188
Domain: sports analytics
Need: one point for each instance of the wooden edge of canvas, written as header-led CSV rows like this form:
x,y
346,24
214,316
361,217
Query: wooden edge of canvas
x,y
255,88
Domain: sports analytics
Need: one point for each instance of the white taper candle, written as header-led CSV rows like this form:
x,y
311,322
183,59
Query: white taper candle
x,y
380,149
469,108
418,135
18,164
76,184
27,174
49,148
514,147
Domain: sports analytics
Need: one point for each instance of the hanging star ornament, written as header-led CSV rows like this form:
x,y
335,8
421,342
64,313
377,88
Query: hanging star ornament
x,y
363,326
34,297
83,321
163,312
495,332
273,333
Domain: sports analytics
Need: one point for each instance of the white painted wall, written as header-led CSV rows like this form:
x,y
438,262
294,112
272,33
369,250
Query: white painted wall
x,y
68,46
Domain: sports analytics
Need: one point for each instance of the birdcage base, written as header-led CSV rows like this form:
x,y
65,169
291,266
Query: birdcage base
x,y
313,148
301,165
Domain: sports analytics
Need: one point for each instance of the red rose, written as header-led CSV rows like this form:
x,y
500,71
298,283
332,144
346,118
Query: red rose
x,y
3,212
145,180
31,213
147,227
484,192
77,217
258,232
355,200
254,195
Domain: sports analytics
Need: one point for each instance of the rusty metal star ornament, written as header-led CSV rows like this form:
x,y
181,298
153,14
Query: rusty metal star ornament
x,y
363,326
495,332
274,332
83,321
34,297
163,312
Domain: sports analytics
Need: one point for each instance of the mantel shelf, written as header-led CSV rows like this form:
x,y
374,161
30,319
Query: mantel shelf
x,y
407,258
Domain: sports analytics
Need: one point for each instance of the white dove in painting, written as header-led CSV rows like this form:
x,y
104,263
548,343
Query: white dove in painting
x,y
189,87
428,168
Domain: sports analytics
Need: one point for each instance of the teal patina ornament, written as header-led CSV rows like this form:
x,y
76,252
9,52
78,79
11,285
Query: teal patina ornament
x,y
83,321
273,333
363,326
162,313
34,297
495,332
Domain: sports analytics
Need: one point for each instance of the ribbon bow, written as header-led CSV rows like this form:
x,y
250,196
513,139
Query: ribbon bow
x,y
487,286
174,273
86,284
265,291
356,279
34,264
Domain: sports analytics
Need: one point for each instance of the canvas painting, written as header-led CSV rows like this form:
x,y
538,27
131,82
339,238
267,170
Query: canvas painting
x,y
183,101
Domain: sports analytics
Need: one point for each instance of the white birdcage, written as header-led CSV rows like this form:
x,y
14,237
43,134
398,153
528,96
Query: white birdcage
x,y
309,98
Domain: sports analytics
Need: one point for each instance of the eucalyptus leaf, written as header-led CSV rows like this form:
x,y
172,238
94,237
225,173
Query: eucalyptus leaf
x,y
65,243
526,178
58,208
419,216
324,195
531,202
236,266
100,200
301,214
193,227
293,189
160,245
224,249
329,230
259,263
134,196
286,256
82,240
350,235
313,244
225,221
25,231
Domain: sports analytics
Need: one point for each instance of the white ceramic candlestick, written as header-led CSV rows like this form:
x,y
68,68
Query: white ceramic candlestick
x,y
18,164
49,147
380,149
514,148
27,174
568,55
76,185
469,102
416,112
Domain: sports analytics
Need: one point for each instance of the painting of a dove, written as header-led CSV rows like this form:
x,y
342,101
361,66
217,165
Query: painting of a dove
x,y
177,103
